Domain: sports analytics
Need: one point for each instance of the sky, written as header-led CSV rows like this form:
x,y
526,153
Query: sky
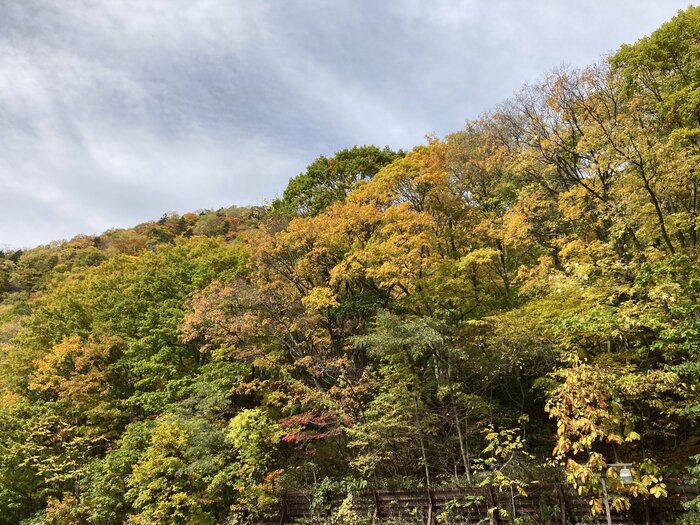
x,y
114,112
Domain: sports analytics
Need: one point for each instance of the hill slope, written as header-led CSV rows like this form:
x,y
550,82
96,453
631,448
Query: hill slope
x,y
517,301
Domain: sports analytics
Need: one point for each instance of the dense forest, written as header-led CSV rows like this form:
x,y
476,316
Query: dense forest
x,y
515,302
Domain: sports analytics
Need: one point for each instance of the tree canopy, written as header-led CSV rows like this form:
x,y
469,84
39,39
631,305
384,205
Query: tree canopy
x,y
512,303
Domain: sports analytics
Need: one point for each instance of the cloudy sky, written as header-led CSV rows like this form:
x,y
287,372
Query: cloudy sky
x,y
113,112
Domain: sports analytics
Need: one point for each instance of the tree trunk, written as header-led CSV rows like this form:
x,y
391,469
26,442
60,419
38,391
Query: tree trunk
x,y
422,448
463,452
692,205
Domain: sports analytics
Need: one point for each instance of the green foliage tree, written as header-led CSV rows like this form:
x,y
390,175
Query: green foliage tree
x,y
328,180
255,439
162,489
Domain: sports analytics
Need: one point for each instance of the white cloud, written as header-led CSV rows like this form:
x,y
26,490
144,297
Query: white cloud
x,y
113,112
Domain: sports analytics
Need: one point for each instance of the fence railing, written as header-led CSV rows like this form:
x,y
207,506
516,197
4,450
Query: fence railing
x,y
545,504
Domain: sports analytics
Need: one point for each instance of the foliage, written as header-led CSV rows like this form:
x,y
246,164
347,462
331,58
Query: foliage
x,y
515,302
254,437
328,180
594,412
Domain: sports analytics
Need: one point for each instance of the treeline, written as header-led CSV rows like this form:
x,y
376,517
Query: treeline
x,y
31,270
516,302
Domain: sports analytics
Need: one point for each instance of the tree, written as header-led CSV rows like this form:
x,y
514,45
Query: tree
x,y
595,412
255,438
328,180
162,489
405,351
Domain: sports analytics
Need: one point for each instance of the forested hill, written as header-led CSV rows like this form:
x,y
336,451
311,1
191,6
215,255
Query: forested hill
x,y
516,302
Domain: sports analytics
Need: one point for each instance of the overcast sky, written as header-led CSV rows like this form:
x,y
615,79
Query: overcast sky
x,y
114,112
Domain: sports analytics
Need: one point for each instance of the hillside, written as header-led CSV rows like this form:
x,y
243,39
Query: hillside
x,y
516,302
